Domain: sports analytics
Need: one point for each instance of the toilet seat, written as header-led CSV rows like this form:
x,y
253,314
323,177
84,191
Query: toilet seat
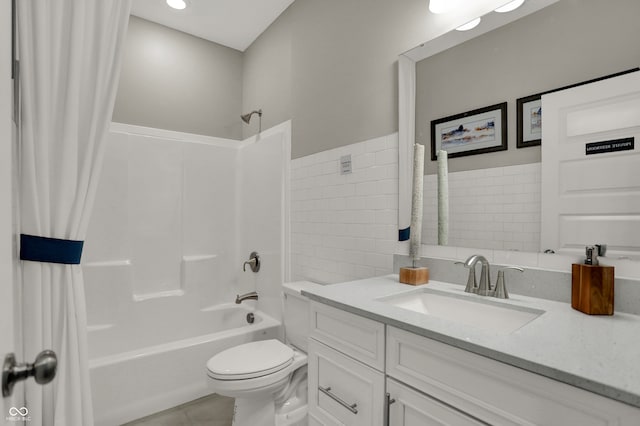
x,y
274,369
250,360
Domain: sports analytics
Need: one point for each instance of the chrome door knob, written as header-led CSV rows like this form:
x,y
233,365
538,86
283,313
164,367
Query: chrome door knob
x,y
43,370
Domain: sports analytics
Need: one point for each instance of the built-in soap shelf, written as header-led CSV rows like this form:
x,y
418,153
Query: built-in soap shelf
x,y
107,263
195,259
157,295
98,327
198,257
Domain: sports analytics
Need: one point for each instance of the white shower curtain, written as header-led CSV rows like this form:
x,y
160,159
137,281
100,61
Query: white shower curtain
x,y
69,53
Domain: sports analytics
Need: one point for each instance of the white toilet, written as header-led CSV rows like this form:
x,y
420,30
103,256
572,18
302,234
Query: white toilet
x,y
268,378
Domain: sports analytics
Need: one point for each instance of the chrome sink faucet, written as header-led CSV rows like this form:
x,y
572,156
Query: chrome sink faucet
x,y
484,288
253,295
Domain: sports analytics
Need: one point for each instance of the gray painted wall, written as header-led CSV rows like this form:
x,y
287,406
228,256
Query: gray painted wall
x,y
566,43
339,60
266,77
175,81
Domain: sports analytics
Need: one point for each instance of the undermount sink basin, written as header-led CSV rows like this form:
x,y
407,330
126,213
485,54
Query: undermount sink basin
x,y
482,313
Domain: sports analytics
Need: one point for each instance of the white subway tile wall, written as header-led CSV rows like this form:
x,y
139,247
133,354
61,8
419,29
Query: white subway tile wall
x,y
344,227
496,208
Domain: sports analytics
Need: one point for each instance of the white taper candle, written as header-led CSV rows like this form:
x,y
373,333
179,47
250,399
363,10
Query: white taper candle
x,y
443,198
416,203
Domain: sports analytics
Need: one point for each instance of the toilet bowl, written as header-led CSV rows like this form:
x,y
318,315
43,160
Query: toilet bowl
x,y
268,378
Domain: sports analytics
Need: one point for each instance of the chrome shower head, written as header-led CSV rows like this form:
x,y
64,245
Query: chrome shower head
x,y
247,117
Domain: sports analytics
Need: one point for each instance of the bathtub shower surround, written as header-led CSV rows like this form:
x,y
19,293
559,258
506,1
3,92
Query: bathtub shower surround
x,y
132,384
263,215
344,227
160,225
163,261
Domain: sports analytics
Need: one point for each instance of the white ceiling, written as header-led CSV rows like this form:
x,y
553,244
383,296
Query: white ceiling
x,y
232,23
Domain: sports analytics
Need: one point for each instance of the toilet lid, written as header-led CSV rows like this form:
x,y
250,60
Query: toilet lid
x,y
250,360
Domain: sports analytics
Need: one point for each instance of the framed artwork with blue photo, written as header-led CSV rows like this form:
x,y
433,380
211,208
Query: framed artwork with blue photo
x,y
473,132
529,121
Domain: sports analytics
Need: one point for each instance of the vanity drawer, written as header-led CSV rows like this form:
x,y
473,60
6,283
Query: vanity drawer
x,y
343,391
414,408
356,336
494,392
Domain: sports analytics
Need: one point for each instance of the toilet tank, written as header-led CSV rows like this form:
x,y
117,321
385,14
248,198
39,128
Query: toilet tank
x,y
296,313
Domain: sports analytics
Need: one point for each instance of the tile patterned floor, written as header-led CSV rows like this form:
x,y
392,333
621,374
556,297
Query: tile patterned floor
x,y
212,410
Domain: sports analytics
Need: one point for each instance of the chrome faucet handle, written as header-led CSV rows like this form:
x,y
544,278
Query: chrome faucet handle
x,y
501,289
253,262
472,286
484,289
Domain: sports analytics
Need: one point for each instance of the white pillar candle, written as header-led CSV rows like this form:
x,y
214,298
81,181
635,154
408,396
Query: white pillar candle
x,y
443,199
416,203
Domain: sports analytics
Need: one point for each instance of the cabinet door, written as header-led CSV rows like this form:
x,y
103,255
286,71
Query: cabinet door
x,y
343,391
412,408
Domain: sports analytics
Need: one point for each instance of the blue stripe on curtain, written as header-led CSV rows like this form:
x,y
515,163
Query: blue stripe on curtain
x,y
403,234
51,250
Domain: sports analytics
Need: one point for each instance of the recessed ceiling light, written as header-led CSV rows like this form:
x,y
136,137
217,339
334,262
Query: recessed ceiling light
x,y
177,4
510,6
469,25
440,6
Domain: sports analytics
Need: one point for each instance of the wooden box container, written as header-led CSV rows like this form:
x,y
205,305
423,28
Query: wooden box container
x,y
592,289
414,276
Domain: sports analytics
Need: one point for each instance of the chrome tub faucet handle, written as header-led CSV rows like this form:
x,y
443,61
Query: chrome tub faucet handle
x,y
253,262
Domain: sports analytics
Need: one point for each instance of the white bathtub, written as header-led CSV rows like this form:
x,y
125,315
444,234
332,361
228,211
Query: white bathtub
x,y
129,384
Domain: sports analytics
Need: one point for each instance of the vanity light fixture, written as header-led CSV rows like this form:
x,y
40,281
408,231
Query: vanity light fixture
x,y
177,4
510,6
469,25
440,6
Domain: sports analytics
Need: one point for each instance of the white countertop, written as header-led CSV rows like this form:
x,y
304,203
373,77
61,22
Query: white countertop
x,y
600,354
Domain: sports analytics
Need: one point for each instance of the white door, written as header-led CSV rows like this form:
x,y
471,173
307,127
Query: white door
x,y
590,174
6,262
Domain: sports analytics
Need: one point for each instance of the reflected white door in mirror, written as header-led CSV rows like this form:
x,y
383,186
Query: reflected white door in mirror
x,y
591,167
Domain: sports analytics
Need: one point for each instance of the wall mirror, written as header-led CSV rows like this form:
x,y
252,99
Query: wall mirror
x,y
542,46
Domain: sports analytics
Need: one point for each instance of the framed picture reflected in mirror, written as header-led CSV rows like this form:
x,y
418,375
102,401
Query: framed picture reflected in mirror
x,y
473,132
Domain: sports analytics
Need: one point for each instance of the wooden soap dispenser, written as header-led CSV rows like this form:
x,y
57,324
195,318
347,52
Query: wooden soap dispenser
x,y
592,284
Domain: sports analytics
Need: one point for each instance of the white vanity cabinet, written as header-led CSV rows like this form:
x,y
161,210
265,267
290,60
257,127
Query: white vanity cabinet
x,y
357,365
346,368
494,392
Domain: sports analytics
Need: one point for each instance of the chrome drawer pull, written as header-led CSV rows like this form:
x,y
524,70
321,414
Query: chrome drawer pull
x,y
387,407
327,391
